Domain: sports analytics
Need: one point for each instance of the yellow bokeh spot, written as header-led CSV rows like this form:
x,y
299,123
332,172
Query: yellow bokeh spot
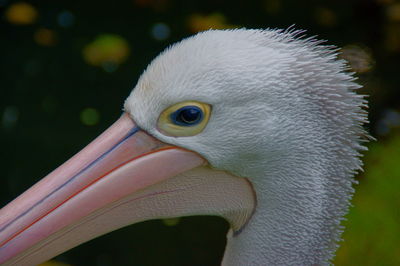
x,y
171,221
21,13
106,48
90,116
359,58
273,6
54,263
325,17
393,12
392,37
198,22
45,37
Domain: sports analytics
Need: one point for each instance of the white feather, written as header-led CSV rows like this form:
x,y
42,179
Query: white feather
x,y
284,115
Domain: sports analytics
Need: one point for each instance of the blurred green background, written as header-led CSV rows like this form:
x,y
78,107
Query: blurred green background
x,y
67,66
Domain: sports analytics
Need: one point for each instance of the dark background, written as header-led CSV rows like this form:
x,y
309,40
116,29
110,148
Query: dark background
x,y
67,66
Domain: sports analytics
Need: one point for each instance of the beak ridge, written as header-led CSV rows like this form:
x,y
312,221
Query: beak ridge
x,y
121,161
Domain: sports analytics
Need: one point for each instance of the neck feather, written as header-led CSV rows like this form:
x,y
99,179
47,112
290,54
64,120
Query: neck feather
x,y
301,200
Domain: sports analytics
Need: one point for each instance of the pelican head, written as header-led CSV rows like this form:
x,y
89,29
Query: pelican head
x,y
260,127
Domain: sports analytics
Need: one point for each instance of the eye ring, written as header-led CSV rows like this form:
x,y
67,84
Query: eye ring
x,y
184,119
189,115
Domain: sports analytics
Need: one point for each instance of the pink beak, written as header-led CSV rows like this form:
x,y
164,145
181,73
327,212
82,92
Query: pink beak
x,y
113,170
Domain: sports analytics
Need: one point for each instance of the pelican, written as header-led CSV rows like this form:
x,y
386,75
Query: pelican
x,y
260,127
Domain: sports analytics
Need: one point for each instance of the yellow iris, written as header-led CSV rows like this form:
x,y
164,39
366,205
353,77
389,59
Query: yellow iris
x,y
167,125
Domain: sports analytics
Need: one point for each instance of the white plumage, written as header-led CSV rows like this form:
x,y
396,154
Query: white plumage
x,y
285,116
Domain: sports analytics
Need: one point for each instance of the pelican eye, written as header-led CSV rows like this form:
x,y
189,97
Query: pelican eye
x,y
187,116
184,119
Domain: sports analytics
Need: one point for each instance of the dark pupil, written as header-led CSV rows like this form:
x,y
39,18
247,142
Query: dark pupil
x,y
189,115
